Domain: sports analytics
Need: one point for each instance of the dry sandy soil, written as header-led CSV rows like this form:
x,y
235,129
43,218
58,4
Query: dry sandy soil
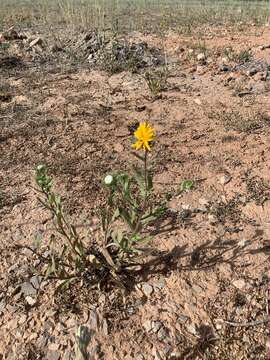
x,y
205,290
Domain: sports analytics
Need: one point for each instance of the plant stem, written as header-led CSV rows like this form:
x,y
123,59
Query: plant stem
x,y
138,224
145,175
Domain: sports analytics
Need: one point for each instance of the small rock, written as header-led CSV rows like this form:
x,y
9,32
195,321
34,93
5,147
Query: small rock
x,y
212,219
224,68
263,47
105,327
243,243
156,326
219,324
201,57
156,354
42,341
239,284
118,147
162,334
160,284
251,72
201,70
27,289
22,319
183,318
93,320
224,60
225,179
53,346
32,337
191,328
198,101
53,355
147,289
148,325
2,305
30,300
260,76
36,281
197,289
37,41
167,350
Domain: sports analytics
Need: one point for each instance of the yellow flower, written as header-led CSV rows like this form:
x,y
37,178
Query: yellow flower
x,y
144,135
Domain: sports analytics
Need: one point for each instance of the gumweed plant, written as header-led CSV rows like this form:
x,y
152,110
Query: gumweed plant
x,y
128,210
130,207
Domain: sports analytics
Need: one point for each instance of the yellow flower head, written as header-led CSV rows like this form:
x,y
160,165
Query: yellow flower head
x,y
144,135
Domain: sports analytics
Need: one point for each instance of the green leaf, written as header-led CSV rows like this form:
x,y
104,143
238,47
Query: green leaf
x,y
138,156
139,178
126,217
186,185
149,182
64,284
116,214
37,240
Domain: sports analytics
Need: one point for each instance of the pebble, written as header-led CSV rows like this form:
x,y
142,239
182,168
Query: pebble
x,y
224,68
140,357
219,324
36,281
162,334
27,289
191,328
148,325
42,341
147,289
53,355
105,327
160,284
198,101
201,57
239,284
93,319
225,179
37,41
30,300
183,318
118,147
156,326
212,219
156,354
197,289
2,305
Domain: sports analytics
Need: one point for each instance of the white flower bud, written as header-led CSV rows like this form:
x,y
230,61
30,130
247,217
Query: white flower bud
x,y
108,180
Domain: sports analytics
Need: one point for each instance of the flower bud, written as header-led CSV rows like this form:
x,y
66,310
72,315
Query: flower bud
x,y
108,180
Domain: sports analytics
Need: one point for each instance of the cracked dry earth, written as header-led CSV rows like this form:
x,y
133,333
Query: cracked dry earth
x,y
211,263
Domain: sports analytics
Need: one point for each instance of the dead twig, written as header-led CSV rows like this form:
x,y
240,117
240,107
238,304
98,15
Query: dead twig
x,y
248,324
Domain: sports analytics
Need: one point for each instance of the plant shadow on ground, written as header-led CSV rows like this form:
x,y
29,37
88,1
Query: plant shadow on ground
x,y
203,257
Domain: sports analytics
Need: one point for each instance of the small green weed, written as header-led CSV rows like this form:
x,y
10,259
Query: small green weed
x,y
156,81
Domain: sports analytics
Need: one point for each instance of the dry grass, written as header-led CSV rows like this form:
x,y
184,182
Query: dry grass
x,y
184,16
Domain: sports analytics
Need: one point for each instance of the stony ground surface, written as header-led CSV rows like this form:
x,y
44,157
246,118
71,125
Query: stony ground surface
x,y
204,294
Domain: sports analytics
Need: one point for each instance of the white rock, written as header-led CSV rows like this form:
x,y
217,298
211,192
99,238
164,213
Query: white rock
x,y
30,300
201,57
225,179
147,289
239,284
148,325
